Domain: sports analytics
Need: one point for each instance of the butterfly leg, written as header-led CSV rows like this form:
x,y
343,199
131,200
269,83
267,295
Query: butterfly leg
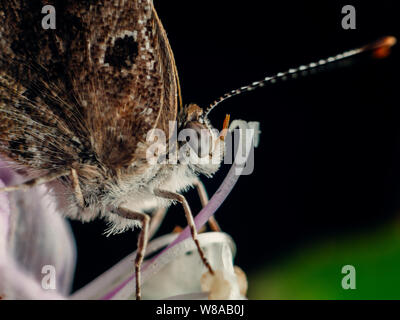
x,y
36,181
49,178
77,189
189,217
156,220
142,241
201,190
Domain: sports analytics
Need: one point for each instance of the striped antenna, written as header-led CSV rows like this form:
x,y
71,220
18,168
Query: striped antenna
x,y
380,48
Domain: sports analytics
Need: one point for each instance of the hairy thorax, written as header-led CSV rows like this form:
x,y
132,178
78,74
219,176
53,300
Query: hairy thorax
x,y
103,193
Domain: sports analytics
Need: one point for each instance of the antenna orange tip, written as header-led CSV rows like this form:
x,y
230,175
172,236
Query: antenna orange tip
x,y
381,48
386,42
389,41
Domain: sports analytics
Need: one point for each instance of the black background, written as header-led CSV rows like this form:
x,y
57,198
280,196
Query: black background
x,y
328,163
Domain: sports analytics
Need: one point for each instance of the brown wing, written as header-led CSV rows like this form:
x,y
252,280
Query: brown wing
x,y
89,90
37,116
170,79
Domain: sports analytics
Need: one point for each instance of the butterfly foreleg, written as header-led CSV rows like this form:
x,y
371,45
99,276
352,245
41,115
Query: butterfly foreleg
x,y
77,188
36,181
189,217
156,219
142,241
49,178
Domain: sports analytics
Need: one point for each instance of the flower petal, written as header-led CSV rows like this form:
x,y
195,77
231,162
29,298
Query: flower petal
x,y
182,267
38,236
15,284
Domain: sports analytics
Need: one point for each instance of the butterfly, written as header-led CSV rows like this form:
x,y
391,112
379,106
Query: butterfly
x,y
77,104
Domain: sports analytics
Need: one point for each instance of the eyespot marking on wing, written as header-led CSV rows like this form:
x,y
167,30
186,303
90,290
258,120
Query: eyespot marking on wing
x,y
122,54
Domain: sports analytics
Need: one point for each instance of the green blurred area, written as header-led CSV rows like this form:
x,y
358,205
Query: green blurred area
x,y
315,272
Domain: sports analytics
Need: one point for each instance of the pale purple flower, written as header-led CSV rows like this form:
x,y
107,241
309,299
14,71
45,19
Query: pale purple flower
x,y
33,236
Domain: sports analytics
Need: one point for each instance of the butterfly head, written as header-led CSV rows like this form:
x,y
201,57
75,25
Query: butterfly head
x,y
204,142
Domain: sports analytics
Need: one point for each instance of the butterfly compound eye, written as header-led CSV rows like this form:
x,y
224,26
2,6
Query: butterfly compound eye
x,y
200,138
